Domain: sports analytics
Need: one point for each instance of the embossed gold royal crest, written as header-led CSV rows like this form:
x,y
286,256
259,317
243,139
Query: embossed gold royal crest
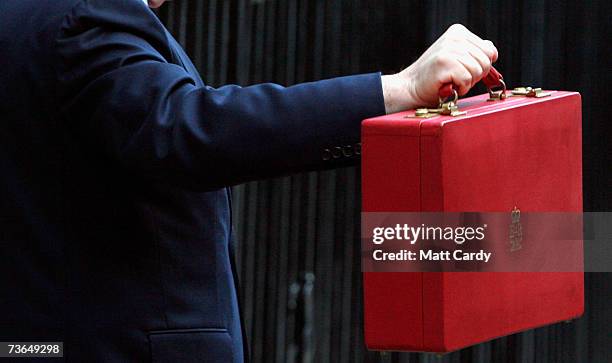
x,y
516,230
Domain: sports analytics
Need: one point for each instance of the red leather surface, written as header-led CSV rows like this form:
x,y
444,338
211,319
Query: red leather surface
x,y
523,152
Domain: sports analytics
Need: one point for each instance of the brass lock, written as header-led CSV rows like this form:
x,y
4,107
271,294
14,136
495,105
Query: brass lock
x,y
530,92
448,108
498,95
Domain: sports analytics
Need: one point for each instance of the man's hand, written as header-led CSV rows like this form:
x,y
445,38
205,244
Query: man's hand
x,y
458,56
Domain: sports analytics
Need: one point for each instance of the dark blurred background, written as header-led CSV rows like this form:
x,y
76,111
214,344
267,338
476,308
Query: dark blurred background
x,y
298,236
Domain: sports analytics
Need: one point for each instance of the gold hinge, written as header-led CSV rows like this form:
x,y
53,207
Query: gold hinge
x,y
530,92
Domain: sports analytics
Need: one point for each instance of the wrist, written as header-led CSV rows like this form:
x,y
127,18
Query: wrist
x,y
392,93
397,92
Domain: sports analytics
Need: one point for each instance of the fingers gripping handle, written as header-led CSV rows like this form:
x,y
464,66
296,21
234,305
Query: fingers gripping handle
x,y
491,80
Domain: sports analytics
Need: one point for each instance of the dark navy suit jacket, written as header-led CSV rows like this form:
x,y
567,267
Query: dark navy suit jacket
x,y
115,158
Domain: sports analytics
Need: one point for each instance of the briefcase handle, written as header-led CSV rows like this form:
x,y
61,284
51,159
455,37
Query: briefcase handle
x,y
492,80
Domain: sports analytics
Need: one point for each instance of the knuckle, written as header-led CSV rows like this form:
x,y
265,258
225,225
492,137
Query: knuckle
x,y
458,42
457,27
453,42
442,60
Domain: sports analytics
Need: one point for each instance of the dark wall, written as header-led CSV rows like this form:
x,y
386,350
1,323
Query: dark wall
x,y
292,229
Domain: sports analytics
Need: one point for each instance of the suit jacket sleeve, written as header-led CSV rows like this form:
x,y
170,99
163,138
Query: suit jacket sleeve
x,y
122,94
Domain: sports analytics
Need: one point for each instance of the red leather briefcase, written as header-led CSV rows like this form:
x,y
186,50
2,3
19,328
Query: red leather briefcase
x,y
525,151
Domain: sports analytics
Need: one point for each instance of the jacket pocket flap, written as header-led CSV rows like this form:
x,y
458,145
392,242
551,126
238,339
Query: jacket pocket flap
x,y
191,345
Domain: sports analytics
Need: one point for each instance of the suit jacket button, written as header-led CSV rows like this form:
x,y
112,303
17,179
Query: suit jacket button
x,y
327,154
336,152
347,151
358,149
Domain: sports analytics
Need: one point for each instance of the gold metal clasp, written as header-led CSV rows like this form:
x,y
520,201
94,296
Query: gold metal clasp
x,y
530,92
448,108
498,95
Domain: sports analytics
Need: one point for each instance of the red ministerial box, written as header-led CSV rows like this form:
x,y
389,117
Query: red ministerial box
x,y
521,151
